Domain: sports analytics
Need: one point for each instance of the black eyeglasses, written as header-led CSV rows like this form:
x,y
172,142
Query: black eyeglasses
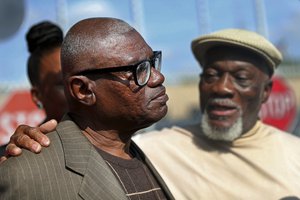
x,y
141,70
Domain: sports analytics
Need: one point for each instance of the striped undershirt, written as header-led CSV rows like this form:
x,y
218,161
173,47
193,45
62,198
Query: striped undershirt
x,y
134,177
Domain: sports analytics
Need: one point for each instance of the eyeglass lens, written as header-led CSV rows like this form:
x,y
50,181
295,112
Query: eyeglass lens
x,y
143,71
157,62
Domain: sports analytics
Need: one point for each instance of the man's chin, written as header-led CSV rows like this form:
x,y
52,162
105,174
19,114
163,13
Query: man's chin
x,y
221,132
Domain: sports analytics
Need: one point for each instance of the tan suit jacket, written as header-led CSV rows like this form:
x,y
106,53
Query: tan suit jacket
x,y
71,168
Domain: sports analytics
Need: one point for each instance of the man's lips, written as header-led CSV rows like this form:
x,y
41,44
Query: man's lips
x,y
221,109
161,96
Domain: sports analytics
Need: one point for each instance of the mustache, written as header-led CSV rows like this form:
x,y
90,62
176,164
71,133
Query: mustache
x,y
222,102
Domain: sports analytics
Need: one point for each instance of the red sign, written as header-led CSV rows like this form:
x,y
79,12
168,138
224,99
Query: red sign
x,y
281,108
18,109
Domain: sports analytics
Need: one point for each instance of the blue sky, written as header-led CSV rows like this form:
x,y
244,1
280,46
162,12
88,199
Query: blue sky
x,y
167,25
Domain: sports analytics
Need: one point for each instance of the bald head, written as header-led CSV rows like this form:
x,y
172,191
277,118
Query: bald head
x,y
98,43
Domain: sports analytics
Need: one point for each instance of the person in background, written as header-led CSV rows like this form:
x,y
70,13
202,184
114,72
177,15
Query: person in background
x,y
230,153
114,87
44,41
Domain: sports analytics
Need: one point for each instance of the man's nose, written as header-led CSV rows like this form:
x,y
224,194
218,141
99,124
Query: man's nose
x,y
224,86
156,78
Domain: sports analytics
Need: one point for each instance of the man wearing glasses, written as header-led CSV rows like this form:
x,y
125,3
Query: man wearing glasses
x,y
113,87
230,154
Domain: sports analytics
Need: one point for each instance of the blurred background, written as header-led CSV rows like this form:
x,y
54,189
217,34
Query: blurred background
x,y
168,26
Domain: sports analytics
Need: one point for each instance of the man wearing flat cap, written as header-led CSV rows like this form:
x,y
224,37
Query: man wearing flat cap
x,y
230,154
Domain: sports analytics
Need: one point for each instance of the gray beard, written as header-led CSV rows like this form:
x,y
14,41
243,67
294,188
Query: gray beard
x,y
223,134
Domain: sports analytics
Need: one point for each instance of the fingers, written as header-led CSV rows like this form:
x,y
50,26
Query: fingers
x,y
2,159
12,150
38,135
24,137
35,137
48,126
45,128
30,138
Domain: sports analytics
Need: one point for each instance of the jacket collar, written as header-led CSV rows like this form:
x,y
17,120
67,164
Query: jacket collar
x,y
81,157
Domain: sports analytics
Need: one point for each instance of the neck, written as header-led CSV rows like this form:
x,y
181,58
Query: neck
x,y
113,141
110,141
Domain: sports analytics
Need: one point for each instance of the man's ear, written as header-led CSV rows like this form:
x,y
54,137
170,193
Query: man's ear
x,y
36,96
267,91
80,88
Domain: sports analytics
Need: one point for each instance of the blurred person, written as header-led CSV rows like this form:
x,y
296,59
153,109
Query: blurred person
x,y
230,154
113,88
44,41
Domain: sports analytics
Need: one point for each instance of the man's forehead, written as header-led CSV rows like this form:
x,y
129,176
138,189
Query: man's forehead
x,y
234,54
127,54
241,58
111,51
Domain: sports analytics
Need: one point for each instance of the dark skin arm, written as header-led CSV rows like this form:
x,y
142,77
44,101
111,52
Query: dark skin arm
x,y
31,138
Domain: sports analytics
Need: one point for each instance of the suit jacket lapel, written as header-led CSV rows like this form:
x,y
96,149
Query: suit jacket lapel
x,y
80,156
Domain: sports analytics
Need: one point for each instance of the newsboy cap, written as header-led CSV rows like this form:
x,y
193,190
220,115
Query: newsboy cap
x,y
239,38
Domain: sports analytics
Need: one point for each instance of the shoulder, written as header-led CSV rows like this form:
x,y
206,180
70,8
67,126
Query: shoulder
x,y
161,134
165,137
29,163
282,137
279,133
30,171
